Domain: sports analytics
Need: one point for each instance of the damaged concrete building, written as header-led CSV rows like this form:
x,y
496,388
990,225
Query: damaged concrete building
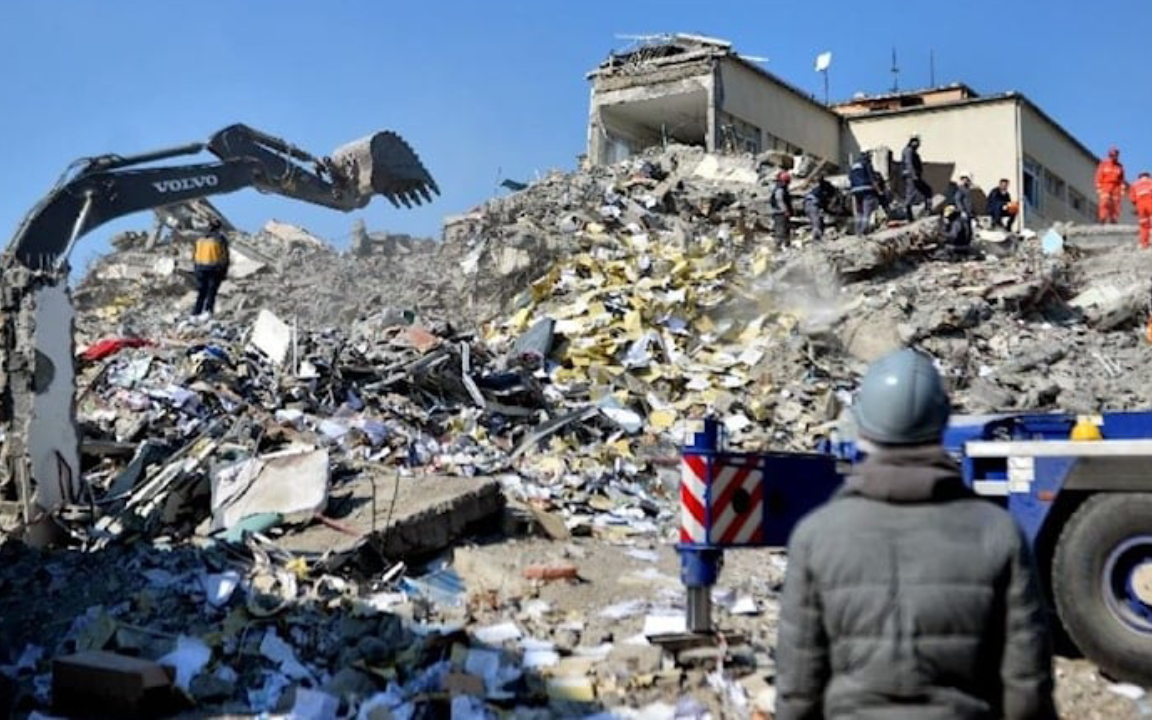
x,y
698,90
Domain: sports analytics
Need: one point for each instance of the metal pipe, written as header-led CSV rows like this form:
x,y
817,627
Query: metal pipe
x,y
77,229
699,609
114,161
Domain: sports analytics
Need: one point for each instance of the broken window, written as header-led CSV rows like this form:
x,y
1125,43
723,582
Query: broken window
x,y
1053,185
736,135
771,142
1031,188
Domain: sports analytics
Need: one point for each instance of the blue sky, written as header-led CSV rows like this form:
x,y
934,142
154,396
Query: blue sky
x,y
495,88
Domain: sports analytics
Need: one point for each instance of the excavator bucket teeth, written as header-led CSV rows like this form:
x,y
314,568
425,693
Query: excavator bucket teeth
x,y
383,164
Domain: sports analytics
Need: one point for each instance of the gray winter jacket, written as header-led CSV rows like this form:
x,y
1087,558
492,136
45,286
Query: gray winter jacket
x,y
909,598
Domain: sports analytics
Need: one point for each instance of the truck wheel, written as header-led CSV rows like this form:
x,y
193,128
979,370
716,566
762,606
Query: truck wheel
x,y
1102,583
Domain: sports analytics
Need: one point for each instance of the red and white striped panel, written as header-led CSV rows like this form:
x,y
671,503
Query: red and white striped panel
x,y
693,474
730,527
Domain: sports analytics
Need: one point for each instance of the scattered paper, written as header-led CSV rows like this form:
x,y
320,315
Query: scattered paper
x,y
218,587
497,634
189,658
665,624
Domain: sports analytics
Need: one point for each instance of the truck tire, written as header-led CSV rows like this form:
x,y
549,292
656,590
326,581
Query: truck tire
x,y
1097,548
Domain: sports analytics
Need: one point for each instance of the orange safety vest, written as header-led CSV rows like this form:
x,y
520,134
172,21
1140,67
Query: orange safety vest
x,y
210,250
1109,176
1141,195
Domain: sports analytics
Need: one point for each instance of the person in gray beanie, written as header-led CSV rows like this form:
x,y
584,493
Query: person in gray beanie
x,y
906,595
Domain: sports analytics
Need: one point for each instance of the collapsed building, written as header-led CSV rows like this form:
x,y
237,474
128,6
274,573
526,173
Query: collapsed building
x,y
281,503
700,91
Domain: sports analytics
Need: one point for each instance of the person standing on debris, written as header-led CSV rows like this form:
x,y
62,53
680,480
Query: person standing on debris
x,y
957,229
816,203
780,207
916,191
210,259
907,595
1000,206
1110,187
962,198
863,185
1141,197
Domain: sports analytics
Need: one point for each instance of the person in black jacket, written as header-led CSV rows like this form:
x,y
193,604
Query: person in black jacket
x,y
816,203
1000,206
962,197
863,184
916,190
907,596
780,208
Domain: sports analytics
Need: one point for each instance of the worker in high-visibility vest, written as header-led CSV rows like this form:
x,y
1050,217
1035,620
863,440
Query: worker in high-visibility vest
x,y
1110,186
1141,196
210,264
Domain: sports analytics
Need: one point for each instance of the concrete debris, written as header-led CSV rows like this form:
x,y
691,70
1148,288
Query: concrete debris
x,y
423,477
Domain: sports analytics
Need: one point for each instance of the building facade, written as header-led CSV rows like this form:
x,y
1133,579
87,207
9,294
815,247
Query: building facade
x,y
694,90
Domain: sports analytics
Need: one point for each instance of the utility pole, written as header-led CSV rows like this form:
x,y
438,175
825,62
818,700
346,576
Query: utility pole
x,y
895,72
931,68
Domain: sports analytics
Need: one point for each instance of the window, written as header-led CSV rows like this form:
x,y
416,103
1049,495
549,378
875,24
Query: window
x,y
1078,202
1053,185
737,135
771,142
1031,187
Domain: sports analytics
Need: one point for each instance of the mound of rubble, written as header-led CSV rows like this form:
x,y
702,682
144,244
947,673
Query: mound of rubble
x,y
274,488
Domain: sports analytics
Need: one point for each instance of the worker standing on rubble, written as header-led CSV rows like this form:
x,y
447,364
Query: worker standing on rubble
x,y
1000,206
816,203
780,208
862,183
916,190
210,264
962,198
907,595
1141,196
1110,187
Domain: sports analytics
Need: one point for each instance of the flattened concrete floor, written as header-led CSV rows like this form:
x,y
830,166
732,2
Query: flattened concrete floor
x,y
400,517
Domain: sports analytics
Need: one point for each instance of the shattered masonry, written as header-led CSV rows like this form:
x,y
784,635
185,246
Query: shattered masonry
x,y
524,382
39,462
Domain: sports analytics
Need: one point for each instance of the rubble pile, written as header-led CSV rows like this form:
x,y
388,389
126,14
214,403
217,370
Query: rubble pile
x,y
281,496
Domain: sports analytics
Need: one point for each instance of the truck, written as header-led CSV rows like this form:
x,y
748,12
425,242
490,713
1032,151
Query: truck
x,y
1079,487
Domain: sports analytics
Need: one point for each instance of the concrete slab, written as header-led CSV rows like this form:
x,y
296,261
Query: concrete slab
x,y
431,512
289,482
1100,237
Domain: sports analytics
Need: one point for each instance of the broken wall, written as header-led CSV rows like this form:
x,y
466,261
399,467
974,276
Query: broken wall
x,y
40,455
778,110
649,107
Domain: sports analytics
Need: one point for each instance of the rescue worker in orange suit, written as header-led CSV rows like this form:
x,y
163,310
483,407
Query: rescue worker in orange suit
x,y
210,264
1110,186
1141,197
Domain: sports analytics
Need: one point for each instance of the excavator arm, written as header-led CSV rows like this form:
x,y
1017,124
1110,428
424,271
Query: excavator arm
x,y
111,186
39,441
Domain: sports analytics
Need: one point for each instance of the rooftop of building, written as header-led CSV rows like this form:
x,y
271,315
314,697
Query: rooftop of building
x,y
649,52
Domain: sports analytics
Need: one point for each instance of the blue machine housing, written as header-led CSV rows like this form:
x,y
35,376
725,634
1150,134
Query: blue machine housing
x,y
796,483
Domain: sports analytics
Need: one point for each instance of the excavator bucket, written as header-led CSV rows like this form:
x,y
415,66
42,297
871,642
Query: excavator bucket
x,y
383,164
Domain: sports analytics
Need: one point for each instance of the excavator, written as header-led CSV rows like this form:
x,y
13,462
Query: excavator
x,y
39,444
